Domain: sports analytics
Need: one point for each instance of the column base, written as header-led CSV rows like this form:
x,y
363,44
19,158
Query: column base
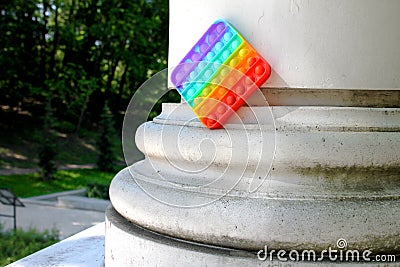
x,y
127,244
330,174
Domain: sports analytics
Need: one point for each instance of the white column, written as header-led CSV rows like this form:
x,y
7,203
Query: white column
x,y
328,148
342,44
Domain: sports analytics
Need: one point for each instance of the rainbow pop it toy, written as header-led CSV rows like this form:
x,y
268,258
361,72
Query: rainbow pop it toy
x,y
219,73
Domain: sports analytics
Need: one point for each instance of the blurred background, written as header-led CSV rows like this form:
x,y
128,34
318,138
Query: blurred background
x,y
68,71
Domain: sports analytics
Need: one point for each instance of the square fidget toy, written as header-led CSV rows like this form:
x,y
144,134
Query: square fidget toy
x,y
219,73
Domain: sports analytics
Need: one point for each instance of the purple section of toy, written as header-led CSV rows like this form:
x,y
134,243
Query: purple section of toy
x,y
197,53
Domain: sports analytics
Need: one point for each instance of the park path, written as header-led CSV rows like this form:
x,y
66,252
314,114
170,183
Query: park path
x,y
11,171
42,216
35,215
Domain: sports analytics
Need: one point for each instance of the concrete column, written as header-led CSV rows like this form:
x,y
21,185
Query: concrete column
x,y
320,164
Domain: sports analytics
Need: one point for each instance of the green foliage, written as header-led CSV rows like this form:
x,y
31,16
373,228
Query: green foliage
x,y
47,164
30,185
47,151
106,159
19,244
76,87
172,96
80,53
20,42
64,126
97,190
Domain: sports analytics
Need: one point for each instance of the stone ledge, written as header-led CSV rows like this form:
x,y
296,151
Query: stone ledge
x,y
377,98
83,249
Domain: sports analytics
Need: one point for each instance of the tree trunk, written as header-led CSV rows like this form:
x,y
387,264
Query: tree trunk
x,y
55,44
83,109
43,52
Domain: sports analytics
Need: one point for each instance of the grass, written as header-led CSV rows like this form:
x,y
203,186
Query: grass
x,y
28,185
20,139
14,246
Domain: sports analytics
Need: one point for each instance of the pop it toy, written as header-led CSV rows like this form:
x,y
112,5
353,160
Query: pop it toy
x,y
219,73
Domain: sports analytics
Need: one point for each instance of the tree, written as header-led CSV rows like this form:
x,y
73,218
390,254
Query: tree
x,y
47,151
20,54
105,161
82,53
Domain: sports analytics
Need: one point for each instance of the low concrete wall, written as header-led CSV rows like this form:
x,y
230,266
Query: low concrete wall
x,y
74,199
85,203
